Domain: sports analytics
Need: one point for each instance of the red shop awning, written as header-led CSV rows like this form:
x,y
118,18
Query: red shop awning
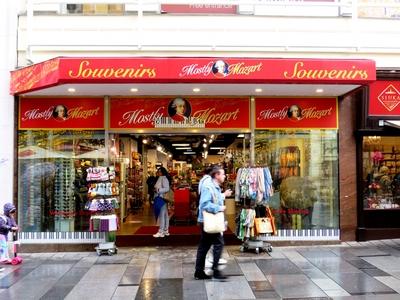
x,y
203,70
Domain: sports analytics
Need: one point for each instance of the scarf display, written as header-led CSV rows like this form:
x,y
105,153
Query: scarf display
x,y
254,184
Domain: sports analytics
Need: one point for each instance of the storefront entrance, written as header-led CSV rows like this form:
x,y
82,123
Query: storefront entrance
x,y
82,155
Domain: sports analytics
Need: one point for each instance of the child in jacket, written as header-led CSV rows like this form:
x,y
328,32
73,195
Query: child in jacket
x,y
7,224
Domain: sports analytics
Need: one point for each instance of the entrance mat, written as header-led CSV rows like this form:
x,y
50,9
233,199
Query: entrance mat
x,y
179,230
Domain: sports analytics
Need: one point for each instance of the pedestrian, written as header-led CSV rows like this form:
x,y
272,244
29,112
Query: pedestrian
x,y
212,201
7,224
204,181
161,188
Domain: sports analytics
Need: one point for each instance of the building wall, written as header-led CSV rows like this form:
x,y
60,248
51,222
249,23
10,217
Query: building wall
x,y
8,61
43,36
347,168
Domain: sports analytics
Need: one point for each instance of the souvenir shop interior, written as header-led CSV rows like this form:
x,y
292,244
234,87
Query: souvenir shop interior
x,y
87,180
381,172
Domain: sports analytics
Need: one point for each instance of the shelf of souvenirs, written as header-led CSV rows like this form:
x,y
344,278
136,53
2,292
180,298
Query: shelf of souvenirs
x,y
381,203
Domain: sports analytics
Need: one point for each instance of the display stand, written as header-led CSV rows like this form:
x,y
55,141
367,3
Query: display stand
x,y
254,189
103,194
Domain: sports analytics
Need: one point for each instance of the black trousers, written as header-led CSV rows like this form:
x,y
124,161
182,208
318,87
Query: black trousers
x,y
206,240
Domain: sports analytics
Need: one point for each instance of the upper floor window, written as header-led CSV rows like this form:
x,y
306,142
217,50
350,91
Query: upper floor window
x,y
96,9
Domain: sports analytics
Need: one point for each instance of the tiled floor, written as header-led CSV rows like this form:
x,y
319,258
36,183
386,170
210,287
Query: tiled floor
x,y
349,271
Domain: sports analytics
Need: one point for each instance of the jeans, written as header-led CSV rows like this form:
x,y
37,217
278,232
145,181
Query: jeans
x,y
163,219
206,240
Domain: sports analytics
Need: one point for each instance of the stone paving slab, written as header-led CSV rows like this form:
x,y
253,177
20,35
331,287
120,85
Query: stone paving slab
x,y
359,283
367,270
290,286
234,288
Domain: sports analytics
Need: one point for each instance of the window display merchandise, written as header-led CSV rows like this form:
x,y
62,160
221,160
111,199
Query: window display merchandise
x,y
381,172
305,179
52,181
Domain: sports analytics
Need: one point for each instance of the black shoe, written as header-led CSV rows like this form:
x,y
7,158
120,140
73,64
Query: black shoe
x,y
219,276
201,275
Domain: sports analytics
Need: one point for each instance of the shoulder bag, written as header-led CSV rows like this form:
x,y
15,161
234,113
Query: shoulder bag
x,y
214,223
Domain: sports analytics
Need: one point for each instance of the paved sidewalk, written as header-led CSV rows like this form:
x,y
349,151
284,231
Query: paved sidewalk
x,y
369,270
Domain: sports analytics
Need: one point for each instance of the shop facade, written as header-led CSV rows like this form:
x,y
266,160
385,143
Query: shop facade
x,y
379,166
293,116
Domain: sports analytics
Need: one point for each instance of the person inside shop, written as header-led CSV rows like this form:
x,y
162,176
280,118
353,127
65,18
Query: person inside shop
x,y
294,113
151,182
161,188
212,201
180,110
60,113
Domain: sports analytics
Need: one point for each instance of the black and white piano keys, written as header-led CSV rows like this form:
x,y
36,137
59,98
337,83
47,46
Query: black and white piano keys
x,y
61,237
305,235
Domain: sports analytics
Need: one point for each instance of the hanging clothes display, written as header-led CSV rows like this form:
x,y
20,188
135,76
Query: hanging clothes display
x,y
254,190
254,184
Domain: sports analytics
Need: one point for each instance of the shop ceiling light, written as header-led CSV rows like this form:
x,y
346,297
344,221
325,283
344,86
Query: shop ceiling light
x,y
212,136
71,90
319,90
180,145
210,141
145,141
134,90
204,145
217,148
159,148
258,90
189,152
169,155
183,148
196,90
241,135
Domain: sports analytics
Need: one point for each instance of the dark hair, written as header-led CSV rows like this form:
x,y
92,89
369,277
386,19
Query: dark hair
x,y
215,170
165,173
208,169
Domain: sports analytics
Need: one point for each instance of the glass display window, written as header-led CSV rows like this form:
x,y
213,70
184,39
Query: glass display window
x,y
381,172
304,169
52,187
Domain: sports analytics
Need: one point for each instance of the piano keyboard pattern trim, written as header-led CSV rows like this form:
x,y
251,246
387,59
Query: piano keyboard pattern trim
x,y
61,237
304,235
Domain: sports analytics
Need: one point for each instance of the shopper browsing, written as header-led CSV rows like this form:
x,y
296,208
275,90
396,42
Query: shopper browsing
x,y
161,188
212,201
7,224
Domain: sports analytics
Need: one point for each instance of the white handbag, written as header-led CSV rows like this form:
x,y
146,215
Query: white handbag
x,y
214,223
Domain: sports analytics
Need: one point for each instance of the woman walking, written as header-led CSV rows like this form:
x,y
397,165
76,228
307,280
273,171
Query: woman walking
x,y
161,188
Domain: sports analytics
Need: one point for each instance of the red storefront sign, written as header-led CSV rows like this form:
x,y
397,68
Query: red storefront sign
x,y
199,9
149,113
296,113
384,99
61,113
190,70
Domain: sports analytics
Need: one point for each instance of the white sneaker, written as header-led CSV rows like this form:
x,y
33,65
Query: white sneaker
x,y
209,264
159,235
2,269
166,233
222,261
